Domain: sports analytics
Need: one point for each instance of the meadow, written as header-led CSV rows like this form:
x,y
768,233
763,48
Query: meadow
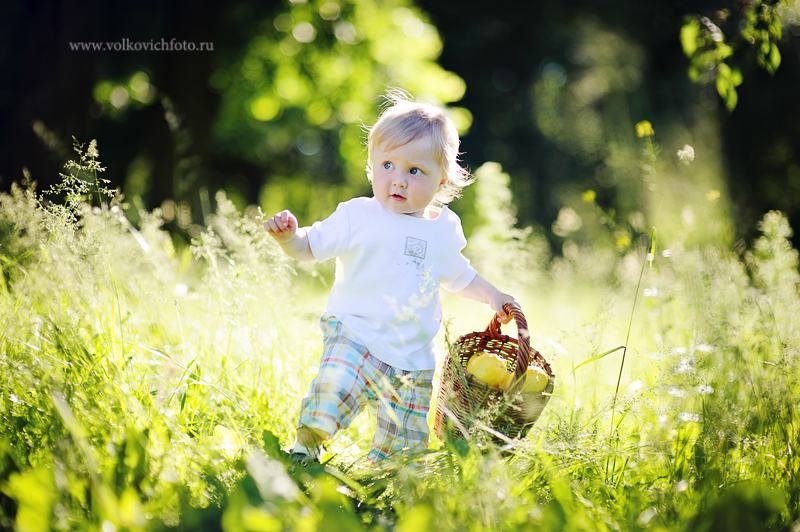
x,y
147,386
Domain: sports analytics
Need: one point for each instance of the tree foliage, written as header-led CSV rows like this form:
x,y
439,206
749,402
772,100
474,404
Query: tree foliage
x,y
297,100
717,59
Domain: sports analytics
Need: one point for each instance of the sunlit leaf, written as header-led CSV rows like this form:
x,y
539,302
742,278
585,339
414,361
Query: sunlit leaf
x,y
731,99
689,33
736,77
774,59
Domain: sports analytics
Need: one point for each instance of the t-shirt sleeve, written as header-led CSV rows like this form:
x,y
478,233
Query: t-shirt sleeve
x,y
457,272
330,237
462,281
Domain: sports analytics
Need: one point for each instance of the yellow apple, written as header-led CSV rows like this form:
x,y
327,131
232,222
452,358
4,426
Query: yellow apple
x,y
535,380
488,368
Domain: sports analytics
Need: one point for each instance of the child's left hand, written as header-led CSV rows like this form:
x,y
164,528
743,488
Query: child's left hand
x,y
499,300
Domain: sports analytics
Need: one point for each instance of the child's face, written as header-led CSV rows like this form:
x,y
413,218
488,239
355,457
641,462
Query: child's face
x,y
406,178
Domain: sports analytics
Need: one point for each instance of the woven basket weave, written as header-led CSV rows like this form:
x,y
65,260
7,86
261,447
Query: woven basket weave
x,y
463,397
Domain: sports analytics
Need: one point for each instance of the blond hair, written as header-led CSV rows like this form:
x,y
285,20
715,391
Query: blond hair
x,y
404,120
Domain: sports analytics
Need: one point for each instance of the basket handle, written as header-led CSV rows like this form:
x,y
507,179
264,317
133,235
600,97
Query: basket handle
x,y
523,337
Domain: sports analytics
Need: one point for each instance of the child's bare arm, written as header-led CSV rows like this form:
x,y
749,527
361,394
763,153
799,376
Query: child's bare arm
x,y
293,240
482,290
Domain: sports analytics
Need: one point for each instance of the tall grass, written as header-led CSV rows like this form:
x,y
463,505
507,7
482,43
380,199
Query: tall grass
x,y
146,387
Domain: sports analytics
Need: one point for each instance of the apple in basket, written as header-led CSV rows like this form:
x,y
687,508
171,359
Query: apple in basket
x,y
535,380
488,368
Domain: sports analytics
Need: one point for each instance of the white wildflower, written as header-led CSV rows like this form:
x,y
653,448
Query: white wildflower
x,y
686,154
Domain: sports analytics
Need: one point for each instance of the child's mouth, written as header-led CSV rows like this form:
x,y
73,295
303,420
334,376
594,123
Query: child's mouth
x,y
397,197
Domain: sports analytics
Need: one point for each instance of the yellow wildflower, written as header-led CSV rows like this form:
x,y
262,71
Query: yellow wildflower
x,y
644,129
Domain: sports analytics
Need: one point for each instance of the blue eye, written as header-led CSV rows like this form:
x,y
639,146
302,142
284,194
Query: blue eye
x,y
388,166
416,171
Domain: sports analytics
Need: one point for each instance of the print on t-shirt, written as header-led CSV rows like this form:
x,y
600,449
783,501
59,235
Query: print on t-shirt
x,y
416,247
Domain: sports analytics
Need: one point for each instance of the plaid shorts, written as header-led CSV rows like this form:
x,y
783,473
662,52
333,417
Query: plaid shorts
x,y
351,379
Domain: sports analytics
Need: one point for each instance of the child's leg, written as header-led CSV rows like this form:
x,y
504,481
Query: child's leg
x,y
337,392
402,414
310,436
309,440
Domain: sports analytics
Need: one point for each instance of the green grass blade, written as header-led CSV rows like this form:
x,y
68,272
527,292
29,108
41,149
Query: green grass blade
x,y
598,357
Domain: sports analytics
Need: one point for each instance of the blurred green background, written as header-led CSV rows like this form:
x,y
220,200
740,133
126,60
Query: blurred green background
x,y
140,369
551,92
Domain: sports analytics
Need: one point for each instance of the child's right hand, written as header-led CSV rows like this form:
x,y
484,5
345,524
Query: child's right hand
x,y
282,227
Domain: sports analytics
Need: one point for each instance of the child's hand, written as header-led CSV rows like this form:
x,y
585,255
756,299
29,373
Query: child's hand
x,y
497,301
282,227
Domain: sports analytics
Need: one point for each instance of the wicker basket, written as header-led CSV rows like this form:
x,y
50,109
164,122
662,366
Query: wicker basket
x,y
462,397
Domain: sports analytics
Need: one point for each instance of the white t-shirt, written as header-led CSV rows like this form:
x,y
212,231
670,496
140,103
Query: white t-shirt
x,y
389,267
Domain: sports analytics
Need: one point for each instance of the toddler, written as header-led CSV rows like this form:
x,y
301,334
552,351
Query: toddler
x,y
393,251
